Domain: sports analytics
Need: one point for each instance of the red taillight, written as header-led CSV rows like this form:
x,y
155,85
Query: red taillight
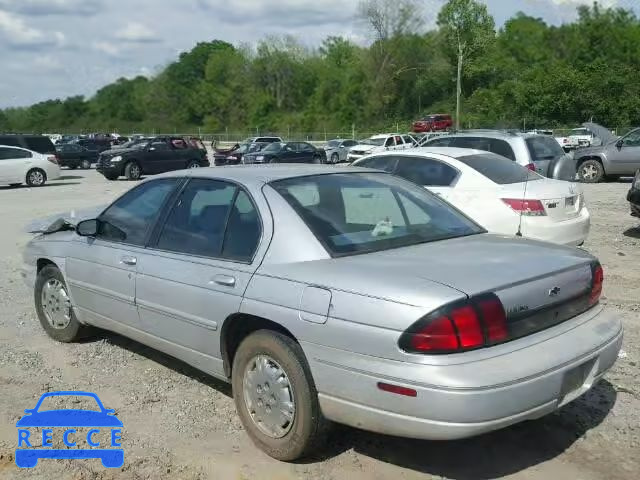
x,y
597,280
478,322
533,208
53,159
531,167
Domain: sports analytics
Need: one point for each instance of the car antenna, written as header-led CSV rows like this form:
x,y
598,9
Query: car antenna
x,y
524,196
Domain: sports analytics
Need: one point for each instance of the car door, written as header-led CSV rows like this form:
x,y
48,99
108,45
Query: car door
x,y
289,153
101,270
433,174
306,152
197,267
625,158
14,163
158,158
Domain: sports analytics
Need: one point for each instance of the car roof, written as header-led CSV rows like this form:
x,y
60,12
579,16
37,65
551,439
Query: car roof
x,y
493,134
259,174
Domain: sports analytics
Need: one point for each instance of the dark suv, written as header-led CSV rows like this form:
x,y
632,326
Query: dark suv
x,y
36,143
156,155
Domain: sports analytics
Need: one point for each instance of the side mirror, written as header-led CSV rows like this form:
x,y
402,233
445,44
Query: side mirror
x,y
87,228
619,143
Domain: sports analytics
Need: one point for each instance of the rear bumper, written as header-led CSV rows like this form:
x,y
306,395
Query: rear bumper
x,y
571,232
531,382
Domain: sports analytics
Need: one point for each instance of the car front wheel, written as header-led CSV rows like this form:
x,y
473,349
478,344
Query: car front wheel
x,y
132,171
276,397
53,306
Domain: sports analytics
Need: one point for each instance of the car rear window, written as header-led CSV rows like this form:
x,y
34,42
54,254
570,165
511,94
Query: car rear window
x,y
544,148
498,169
40,144
10,141
366,212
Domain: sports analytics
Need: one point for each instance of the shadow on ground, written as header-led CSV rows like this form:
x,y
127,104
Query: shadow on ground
x,y
496,454
46,185
633,232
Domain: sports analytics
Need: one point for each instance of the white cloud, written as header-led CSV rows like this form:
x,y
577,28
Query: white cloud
x,y
47,62
137,32
20,35
52,7
107,47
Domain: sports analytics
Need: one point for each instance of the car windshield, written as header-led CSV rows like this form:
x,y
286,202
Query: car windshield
x,y
353,213
334,143
63,402
378,142
498,169
544,148
273,147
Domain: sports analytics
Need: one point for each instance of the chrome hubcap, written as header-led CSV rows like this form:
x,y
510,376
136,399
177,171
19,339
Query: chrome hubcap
x,y
56,304
37,178
135,171
194,165
589,172
268,396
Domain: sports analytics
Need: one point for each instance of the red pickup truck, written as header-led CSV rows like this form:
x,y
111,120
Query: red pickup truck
x,y
433,123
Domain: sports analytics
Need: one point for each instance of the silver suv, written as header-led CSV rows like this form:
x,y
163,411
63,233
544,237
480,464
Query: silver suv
x,y
540,153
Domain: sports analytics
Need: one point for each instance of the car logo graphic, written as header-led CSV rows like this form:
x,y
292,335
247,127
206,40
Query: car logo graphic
x,y
554,292
29,452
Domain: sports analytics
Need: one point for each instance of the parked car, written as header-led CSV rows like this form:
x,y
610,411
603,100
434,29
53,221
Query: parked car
x,y
433,123
158,155
338,149
94,145
324,294
263,140
633,197
20,165
380,143
616,157
499,194
539,153
72,155
35,143
290,152
235,155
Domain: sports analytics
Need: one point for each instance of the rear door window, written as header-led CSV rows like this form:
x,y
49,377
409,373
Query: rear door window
x,y
13,153
543,148
426,171
386,163
501,148
499,169
476,143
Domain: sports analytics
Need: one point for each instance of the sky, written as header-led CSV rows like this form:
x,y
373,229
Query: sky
x,y
58,48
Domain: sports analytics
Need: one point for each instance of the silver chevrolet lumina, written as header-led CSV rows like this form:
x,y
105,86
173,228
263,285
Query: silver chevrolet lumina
x,y
325,294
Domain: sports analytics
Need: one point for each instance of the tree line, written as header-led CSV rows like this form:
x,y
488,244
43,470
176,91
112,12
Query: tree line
x,y
526,72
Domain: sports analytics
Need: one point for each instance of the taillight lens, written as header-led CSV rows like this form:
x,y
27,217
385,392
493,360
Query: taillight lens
x,y
52,159
531,208
531,167
475,323
597,279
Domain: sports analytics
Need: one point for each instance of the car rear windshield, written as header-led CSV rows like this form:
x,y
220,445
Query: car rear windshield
x,y
40,144
353,213
498,169
544,148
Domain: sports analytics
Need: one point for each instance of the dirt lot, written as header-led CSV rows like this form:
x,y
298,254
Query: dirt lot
x,y
180,423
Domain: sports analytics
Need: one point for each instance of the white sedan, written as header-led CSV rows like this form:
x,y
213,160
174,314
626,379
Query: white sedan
x,y
19,165
380,143
496,192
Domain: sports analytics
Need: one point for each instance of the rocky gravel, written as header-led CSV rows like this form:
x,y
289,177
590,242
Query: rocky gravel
x,y
181,424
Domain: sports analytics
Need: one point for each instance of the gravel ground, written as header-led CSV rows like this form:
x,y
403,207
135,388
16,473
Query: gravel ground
x,y
180,423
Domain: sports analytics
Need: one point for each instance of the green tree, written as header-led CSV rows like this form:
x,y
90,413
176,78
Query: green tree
x,y
467,27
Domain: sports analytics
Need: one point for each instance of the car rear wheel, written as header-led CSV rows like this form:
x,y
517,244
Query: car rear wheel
x,y
132,171
53,306
316,159
86,164
590,171
36,177
193,164
276,397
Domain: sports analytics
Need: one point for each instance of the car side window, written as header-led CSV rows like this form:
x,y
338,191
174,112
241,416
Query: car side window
x,y
632,139
243,230
440,142
159,146
426,171
501,148
386,163
305,147
477,143
350,143
130,218
389,142
13,153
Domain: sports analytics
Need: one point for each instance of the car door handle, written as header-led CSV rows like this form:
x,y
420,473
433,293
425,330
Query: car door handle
x,y
128,260
224,280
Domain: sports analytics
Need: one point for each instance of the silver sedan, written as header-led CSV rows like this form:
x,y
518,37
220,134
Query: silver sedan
x,y
350,296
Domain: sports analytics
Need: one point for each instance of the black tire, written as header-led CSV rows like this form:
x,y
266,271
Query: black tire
x,y
111,176
335,158
86,164
74,330
309,428
36,177
591,171
73,167
317,159
132,171
193,164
